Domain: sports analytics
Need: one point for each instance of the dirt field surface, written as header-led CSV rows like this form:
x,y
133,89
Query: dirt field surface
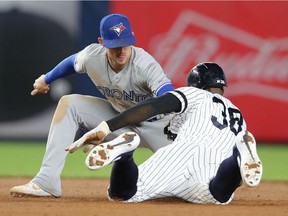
x,y
87,197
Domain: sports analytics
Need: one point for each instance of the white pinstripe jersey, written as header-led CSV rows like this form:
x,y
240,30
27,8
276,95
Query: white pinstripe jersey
x,y
139,80
206,128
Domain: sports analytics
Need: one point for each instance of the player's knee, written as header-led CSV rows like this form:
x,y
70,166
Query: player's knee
x,y
67,100
63,100
65,105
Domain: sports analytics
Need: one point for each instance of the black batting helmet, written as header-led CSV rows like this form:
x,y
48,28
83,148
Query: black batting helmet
x,y
206,75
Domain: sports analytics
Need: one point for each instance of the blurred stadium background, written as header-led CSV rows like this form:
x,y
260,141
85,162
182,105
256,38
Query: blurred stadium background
x,y
248,39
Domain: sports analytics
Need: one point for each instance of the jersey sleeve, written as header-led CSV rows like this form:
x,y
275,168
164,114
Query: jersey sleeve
x,y
80,60
79,64
158,80
152,74
190,97
182,98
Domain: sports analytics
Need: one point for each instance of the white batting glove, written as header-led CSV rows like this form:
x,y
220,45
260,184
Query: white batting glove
x,y
94,136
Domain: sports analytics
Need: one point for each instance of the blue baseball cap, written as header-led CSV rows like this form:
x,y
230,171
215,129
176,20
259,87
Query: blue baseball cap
x,y
115,30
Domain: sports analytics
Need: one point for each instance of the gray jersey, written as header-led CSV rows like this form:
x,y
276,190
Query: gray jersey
x,y
139,80
206,128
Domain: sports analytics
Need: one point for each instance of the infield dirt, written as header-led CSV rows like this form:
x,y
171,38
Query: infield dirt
x,y
88,197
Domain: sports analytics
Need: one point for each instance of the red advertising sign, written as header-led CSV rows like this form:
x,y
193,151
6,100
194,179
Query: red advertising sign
x,y
248,39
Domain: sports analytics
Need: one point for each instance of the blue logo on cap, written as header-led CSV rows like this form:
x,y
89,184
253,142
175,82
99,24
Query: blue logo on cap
x,y
118,28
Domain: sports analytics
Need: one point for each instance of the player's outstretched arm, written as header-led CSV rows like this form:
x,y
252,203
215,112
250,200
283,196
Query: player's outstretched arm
x,y
144,110
64,68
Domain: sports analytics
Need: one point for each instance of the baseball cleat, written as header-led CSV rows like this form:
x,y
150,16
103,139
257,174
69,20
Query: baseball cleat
x,y
250,164
105,153
28,190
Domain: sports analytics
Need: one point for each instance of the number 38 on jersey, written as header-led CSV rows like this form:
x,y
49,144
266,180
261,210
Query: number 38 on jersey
x,y
231,117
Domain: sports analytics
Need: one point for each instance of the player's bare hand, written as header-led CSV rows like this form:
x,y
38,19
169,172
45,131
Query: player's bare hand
x,y
95,137
40,86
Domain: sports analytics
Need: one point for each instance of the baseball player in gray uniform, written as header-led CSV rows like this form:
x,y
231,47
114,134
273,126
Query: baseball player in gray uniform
x,y
124,74
212,153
